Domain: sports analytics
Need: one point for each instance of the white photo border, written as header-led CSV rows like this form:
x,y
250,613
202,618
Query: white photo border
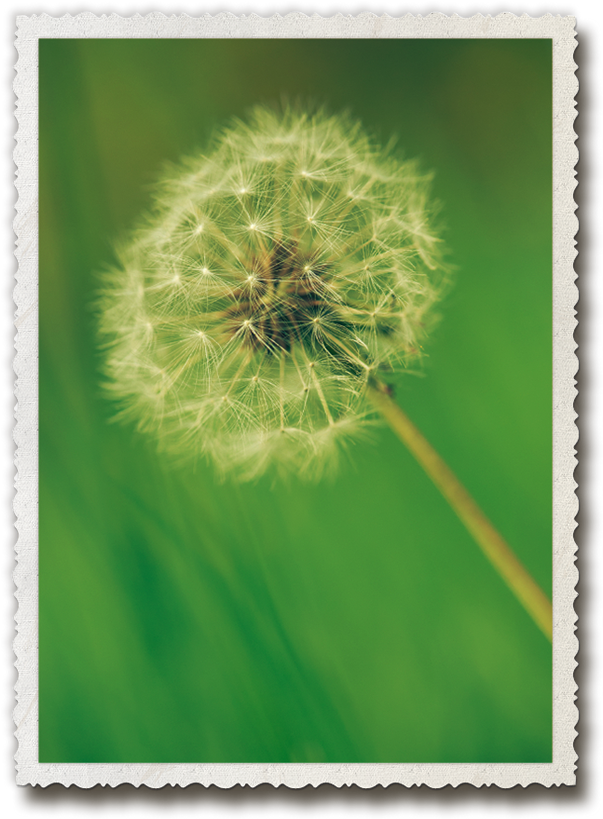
x,y
561,30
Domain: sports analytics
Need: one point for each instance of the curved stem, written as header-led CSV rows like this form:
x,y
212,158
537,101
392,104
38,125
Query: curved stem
x,y
489,540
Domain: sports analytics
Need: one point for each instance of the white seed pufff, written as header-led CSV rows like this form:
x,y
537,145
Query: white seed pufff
x,y
303,310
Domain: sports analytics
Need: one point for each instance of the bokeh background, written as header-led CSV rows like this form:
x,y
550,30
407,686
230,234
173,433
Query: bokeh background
x,y
352,621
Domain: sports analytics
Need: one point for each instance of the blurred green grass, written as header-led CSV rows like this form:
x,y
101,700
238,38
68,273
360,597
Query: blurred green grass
x,y
354,621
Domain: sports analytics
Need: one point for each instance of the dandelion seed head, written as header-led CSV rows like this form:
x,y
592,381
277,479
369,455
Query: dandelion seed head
x,y
275,275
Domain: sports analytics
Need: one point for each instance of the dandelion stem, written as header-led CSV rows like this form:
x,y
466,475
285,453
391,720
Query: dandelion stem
x,y
488,539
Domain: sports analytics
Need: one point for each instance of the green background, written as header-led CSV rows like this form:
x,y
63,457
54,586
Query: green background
x,y
350,621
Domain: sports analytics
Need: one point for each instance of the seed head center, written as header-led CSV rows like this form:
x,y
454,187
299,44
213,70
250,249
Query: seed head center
x,y
284,303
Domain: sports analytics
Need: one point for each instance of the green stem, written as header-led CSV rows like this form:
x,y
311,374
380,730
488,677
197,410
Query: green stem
x,y
488,539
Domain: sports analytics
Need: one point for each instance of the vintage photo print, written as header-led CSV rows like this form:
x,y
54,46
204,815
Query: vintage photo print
x,y
295,382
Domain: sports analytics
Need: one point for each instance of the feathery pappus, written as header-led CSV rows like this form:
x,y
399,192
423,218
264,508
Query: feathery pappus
x,y
276,275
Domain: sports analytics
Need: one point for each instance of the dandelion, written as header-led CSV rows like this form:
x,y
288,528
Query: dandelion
x,y
276,277
254,312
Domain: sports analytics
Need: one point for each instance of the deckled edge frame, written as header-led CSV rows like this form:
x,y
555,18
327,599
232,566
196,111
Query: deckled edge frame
x,y
565,365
